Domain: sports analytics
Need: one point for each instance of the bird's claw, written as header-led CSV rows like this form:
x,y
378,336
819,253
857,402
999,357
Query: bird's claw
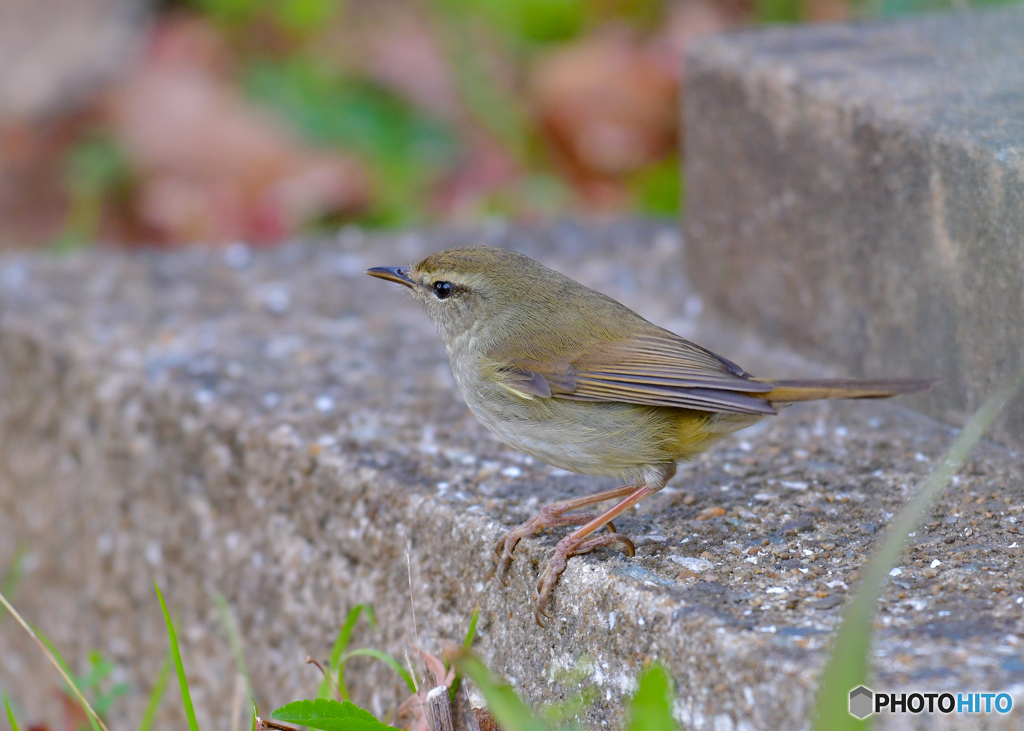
x,y
505,548
549,517
566,548
549,579
625,545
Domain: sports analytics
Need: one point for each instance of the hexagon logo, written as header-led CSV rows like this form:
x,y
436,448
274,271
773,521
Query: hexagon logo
x,y
861,702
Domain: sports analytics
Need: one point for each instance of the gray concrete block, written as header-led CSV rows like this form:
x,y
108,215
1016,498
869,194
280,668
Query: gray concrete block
x,y
857,191
271,426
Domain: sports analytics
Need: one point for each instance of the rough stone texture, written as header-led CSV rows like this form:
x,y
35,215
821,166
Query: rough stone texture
x,y
858,192
271,430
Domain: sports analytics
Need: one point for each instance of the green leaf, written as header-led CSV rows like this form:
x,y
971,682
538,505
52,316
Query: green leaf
x,y
10,715
384,658
507,708
186,699
847,667
156,694
651,707
329,715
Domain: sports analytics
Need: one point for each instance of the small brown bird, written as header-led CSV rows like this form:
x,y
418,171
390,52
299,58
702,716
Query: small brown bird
x,y
579,381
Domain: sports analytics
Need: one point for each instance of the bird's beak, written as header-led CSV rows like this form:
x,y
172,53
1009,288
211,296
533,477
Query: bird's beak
x,y
391,274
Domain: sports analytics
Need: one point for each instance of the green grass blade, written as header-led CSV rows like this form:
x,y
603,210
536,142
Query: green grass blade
x,y
651,707
12,578
230,624
156,694
346,630
186,699
378,655
467,645
10,715
90,713
507,708
339,647
49,652
847,667
56,654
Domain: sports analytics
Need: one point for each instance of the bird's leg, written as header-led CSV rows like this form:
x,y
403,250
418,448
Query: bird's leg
x,y
553,516
577,542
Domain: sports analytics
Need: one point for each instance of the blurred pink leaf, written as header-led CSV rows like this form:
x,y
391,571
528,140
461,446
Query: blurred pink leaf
x,y
405,57
606,103
210,165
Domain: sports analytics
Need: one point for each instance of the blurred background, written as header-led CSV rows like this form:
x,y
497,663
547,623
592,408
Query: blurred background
x,y
218,121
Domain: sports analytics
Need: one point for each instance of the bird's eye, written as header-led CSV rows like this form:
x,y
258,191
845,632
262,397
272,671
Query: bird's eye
x,y
443,290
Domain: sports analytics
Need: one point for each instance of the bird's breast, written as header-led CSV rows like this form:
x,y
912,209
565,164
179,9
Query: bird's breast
x,y
605,439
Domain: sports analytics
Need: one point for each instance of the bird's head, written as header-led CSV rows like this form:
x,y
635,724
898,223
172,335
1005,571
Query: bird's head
x,y
465,289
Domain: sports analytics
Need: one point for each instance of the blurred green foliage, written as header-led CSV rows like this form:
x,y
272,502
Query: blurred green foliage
x,y
522,21
778,11
286,56
658,188
94,170
895,8
12,577
797,11
405,149
96,683
227,11
304,15
651,707
579,693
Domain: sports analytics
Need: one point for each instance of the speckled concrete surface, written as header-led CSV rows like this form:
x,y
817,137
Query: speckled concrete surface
x,y
271,426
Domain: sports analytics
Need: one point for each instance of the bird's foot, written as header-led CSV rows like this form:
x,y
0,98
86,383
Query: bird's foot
x,y
552,516
568,547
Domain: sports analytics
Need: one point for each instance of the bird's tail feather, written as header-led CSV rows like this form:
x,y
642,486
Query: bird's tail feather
x,y
788,392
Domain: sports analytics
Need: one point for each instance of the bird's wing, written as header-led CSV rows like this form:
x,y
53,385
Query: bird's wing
x,y
653,368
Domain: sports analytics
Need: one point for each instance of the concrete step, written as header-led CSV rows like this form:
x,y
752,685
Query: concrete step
x,y
272,425
857,192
